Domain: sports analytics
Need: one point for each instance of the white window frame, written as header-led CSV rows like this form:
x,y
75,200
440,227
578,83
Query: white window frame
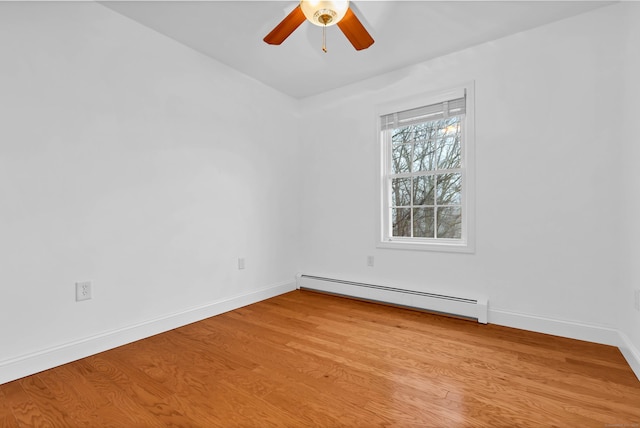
x,y
467,168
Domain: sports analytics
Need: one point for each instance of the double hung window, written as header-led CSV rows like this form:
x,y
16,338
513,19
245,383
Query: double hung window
x,y
426,190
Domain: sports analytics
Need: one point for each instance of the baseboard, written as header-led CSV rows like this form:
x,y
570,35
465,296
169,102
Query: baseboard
x,y
631,353
573,330
45,359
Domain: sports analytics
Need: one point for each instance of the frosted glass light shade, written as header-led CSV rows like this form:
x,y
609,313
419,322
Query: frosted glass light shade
x,y
316,11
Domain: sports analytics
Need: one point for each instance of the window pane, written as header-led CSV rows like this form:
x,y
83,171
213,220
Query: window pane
x,y
449,222
401,191
449,144
400,158
402,135
401,146
429,130
401,221
424,190
420,132
449,188
423,225
424,156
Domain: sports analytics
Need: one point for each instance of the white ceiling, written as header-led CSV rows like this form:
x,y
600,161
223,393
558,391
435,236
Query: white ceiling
x,y
405,33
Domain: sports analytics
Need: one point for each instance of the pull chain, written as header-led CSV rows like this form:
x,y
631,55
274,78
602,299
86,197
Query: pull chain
x,y
325,18
324,38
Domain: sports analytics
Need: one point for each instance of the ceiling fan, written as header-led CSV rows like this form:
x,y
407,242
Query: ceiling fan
x,y
323,14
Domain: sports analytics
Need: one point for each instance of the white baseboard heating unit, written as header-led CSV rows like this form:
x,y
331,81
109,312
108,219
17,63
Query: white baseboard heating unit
x,y
438,303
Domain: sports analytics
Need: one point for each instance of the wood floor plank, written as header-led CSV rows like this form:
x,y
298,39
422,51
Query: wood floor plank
x,y
309,359
6,415
25,411
119,409
74,394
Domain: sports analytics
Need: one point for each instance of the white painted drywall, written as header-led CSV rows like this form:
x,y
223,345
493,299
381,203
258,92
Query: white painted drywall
x,y
133,162
547,161
628,204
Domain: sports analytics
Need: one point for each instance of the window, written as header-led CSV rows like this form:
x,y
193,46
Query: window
x,y
426,181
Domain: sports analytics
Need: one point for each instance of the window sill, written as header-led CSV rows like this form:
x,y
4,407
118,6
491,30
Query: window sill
x,y
444,247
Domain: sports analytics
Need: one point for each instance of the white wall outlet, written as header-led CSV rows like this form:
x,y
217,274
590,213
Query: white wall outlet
x,y
636,299
370,261
241,263
83,291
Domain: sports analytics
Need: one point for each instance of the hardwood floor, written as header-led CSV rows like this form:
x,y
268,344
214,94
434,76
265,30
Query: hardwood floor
x,y
306,359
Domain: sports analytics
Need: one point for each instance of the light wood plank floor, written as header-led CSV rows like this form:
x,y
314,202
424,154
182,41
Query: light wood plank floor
x,y
307,359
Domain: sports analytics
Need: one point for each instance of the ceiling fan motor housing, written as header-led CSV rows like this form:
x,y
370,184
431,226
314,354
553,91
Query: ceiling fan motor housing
x,y
324,16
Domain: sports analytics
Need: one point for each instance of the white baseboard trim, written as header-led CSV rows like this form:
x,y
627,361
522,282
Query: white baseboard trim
x,y
631,353
45,359
572,330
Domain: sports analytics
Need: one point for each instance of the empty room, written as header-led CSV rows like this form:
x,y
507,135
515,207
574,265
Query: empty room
x,y
331,214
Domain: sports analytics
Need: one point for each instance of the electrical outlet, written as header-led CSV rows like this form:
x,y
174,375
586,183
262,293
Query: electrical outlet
x,y
241,263
83,291
370,261
636,299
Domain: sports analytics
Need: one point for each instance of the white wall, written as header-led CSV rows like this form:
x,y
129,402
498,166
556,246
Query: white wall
x,y
133,162
547,161
628,206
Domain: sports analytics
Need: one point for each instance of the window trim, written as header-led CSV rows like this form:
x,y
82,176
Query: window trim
x,y
467,244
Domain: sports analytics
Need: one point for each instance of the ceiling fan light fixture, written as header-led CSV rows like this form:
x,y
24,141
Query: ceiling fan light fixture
x,y
324,13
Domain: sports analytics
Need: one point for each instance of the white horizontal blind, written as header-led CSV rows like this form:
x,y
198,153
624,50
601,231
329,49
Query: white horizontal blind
x,y
443,110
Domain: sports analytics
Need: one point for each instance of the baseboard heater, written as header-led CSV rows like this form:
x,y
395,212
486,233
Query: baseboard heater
x,y
475,309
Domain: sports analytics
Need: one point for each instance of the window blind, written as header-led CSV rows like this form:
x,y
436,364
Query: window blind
x,y
442,110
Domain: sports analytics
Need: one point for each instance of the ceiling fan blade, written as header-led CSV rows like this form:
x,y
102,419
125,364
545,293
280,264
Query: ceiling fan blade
x,y
355,31
285,27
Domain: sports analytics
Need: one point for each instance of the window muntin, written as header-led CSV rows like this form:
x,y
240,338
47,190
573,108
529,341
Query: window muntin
x,y
424,183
